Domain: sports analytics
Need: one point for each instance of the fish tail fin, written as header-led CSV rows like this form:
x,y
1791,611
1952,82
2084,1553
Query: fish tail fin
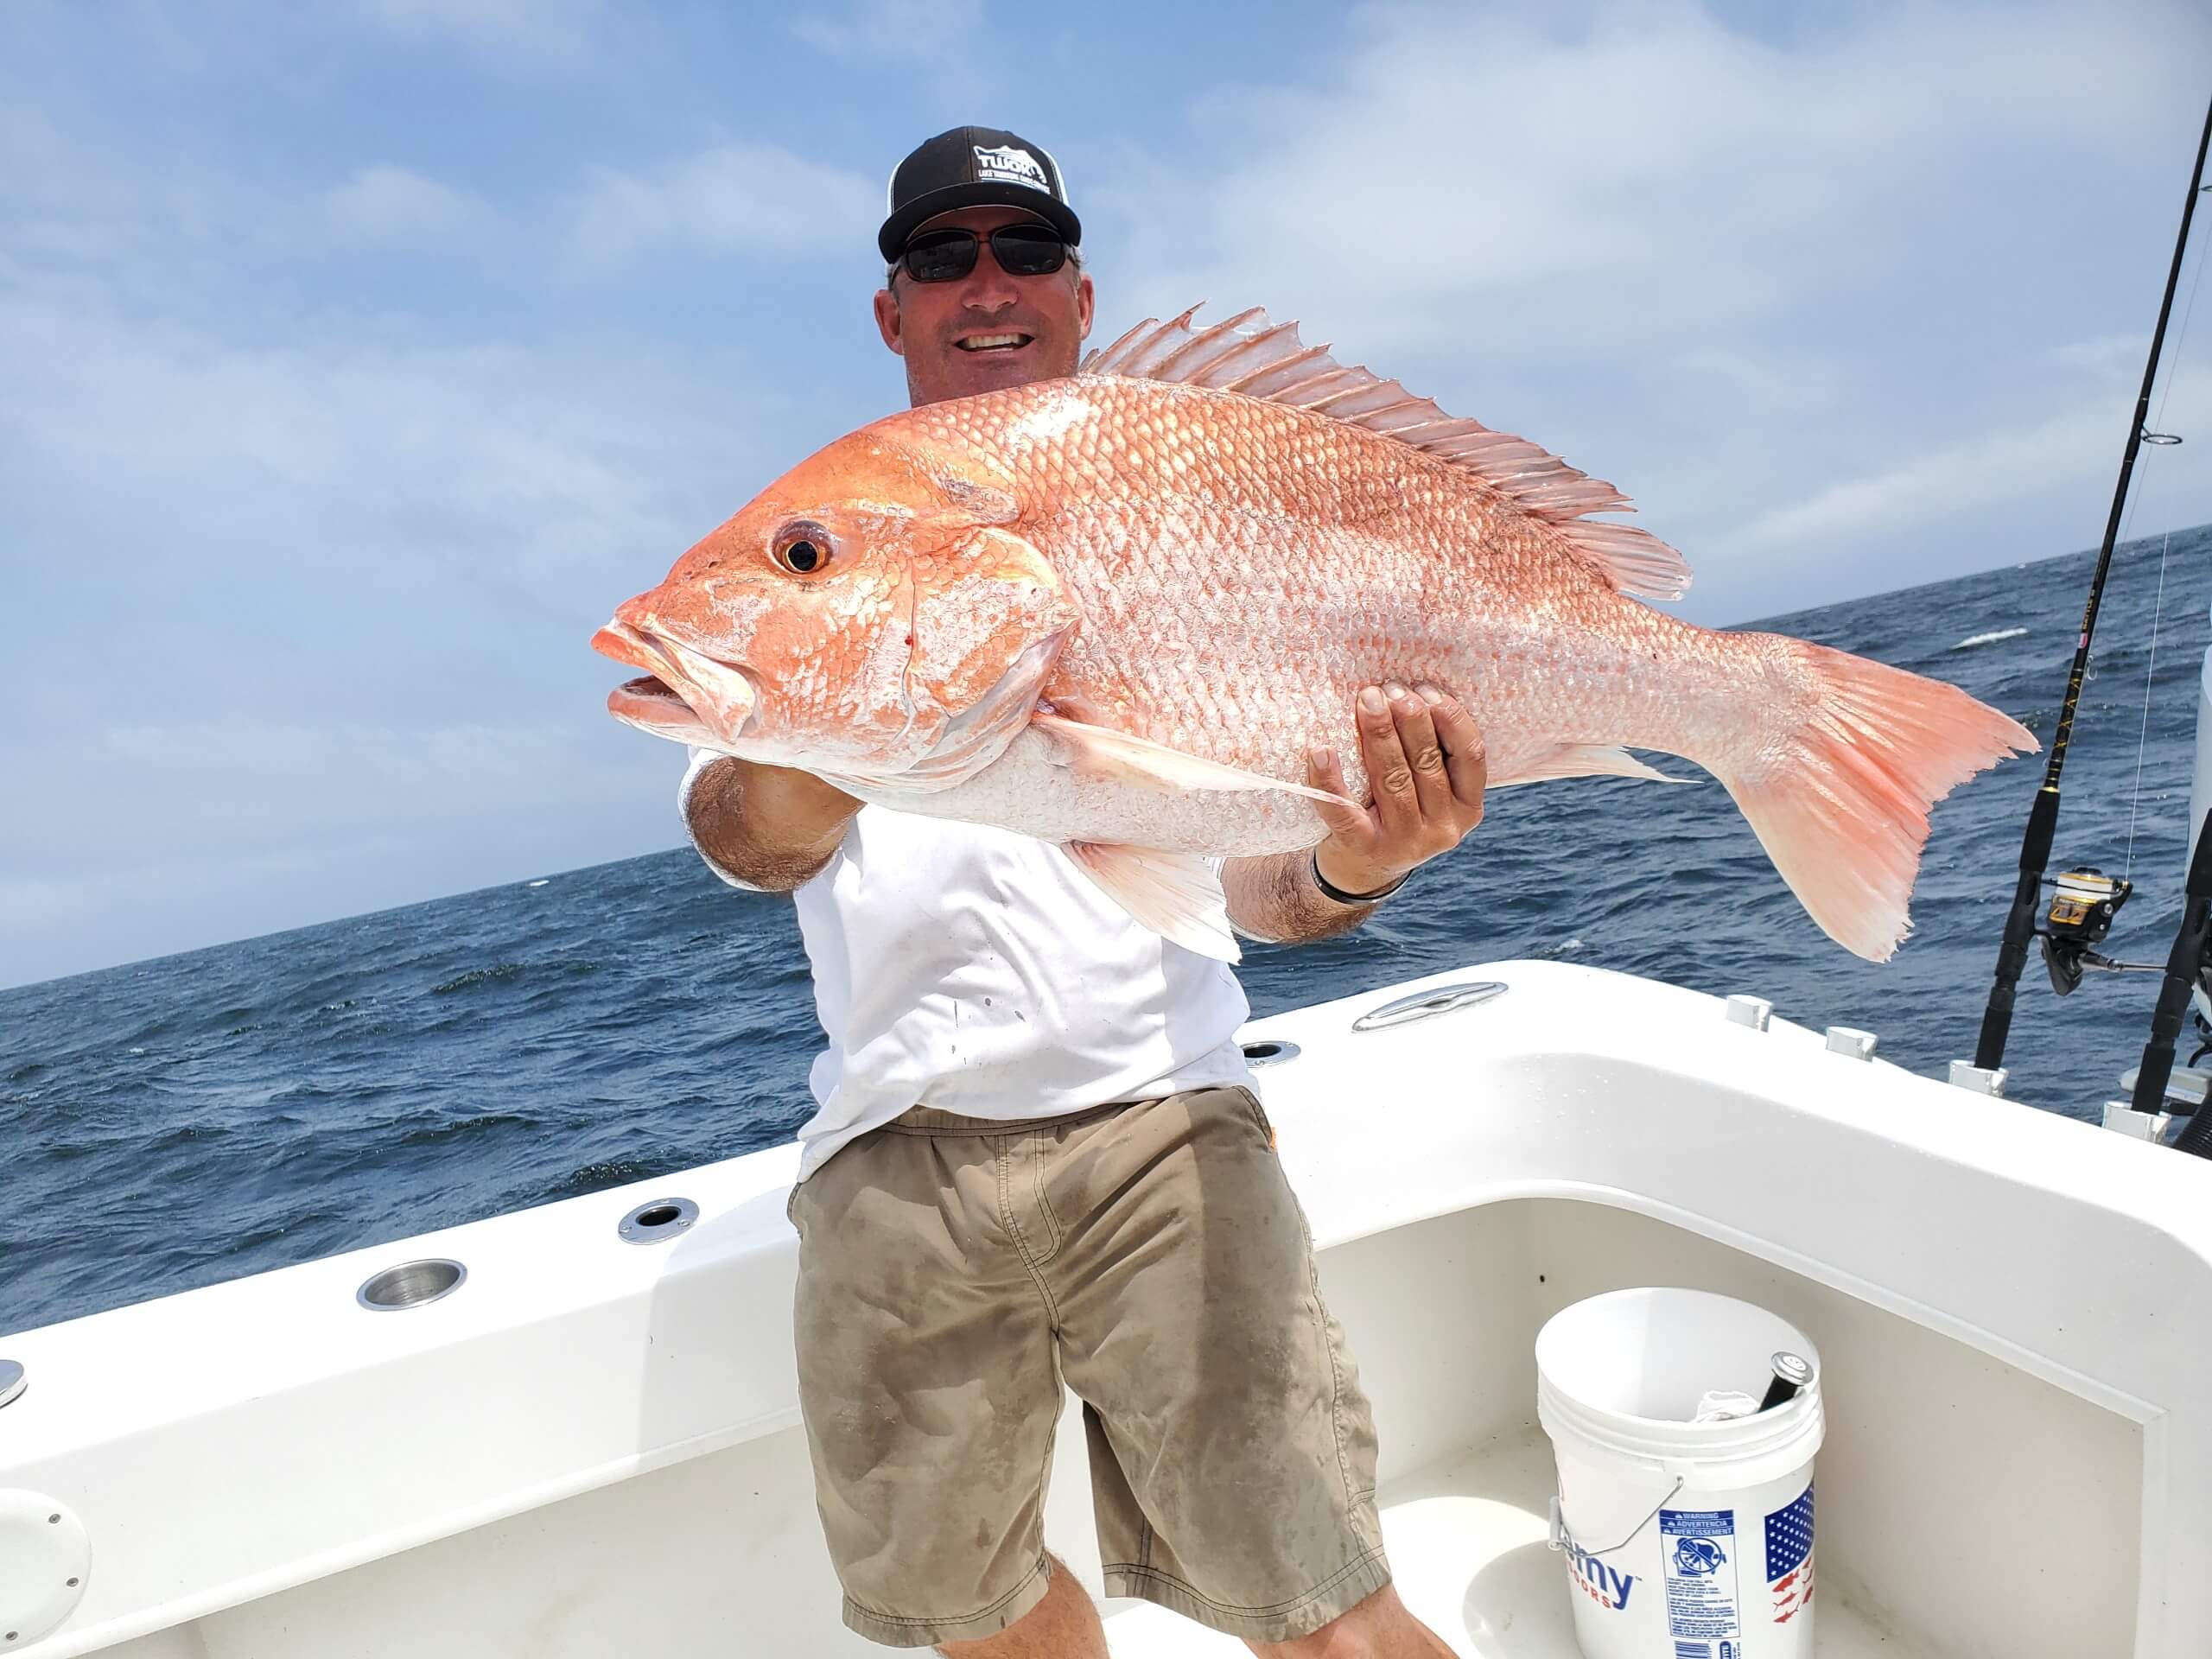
x,y
1840,800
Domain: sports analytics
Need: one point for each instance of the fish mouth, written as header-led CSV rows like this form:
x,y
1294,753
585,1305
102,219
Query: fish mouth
x,y
649,705
684,695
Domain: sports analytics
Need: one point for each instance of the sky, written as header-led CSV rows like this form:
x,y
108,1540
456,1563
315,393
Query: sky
x,y
357,359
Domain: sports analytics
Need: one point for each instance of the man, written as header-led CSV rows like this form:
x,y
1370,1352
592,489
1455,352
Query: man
x,y
1037,1157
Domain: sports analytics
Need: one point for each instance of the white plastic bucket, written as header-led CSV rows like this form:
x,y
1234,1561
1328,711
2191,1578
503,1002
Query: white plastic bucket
x,y
1682,1540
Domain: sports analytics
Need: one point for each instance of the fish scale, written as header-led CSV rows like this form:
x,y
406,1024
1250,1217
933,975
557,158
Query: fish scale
x,y
1112,610
1392,602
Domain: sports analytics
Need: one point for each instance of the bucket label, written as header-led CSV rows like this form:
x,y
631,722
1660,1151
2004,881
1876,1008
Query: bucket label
x,y
1605,1583
1789,1559
1698,1554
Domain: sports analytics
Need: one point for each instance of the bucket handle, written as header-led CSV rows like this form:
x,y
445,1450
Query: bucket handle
x,y
1559,1540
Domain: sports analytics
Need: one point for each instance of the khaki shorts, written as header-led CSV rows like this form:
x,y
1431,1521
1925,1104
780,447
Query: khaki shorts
x,y
954,1271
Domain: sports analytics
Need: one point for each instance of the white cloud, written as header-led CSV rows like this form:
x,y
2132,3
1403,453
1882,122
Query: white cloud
x,y
353,445
279,772
1519,186
161,227
40,904
385,204
2081,446
169,230
751,197
1752,282
546,29
956,68
68,201
929,30
2103,357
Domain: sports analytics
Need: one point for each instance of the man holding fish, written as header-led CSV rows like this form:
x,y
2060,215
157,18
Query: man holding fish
x,y
1043,1132
1210,633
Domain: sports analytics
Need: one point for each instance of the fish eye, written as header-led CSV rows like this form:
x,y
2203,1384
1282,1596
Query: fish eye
x,y
803,549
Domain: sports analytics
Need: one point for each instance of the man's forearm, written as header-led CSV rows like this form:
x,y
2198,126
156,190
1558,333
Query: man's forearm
x,y
769,826
1272,897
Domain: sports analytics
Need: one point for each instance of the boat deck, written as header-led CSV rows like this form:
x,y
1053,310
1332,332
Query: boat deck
x,y
1466,1543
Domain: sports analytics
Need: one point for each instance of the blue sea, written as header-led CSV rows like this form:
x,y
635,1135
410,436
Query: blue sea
x,y
193,1118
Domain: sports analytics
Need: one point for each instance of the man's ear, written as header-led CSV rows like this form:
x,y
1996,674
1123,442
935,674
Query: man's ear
x,y
887,320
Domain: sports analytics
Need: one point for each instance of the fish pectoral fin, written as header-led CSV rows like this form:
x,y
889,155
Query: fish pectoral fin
x,y
1177,895
978,735
1584,761
1118,757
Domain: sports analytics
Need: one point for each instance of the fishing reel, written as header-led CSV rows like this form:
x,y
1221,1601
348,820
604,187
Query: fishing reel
x,y
2081,911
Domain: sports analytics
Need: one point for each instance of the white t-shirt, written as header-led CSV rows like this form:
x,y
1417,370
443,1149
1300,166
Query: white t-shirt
x,y
980,972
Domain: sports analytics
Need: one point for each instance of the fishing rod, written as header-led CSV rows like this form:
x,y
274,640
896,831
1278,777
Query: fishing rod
x,y
2184,970
2043,817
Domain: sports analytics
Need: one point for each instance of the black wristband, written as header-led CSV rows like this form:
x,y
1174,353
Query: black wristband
x,y
1330,891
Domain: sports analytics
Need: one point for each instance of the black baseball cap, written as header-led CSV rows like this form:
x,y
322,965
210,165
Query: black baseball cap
x,y
969,167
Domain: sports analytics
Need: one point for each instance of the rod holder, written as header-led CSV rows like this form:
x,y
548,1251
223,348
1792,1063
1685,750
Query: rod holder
x,y
1752,1010
1852,1042
658,1222
2121,1116
1979,1079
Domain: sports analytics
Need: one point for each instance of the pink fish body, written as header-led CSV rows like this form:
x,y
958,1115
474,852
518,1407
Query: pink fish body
x,y
1112,610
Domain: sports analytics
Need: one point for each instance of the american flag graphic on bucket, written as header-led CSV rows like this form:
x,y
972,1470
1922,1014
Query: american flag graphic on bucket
x,y
1789,1559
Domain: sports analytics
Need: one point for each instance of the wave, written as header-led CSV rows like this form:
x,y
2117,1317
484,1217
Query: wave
x,y
1988,638
476,977
433,1134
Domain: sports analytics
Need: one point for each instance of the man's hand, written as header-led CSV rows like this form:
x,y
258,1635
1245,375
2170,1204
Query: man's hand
x,y
1426,770
769,827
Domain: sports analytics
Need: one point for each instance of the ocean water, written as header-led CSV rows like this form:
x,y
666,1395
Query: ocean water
x,y
182,1121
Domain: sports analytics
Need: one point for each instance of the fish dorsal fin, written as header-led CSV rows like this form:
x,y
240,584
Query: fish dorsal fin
x,y
1248,353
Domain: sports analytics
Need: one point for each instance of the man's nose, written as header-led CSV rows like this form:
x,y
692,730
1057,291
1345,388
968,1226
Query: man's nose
x,y
989,288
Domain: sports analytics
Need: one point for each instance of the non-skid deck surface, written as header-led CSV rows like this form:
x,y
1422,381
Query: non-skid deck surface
x,y
1466,1543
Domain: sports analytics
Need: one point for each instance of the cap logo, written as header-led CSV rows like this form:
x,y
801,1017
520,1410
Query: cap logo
x,y
1009,165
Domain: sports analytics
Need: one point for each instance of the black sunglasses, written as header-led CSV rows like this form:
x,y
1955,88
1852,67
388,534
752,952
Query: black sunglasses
x,y
1021,250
